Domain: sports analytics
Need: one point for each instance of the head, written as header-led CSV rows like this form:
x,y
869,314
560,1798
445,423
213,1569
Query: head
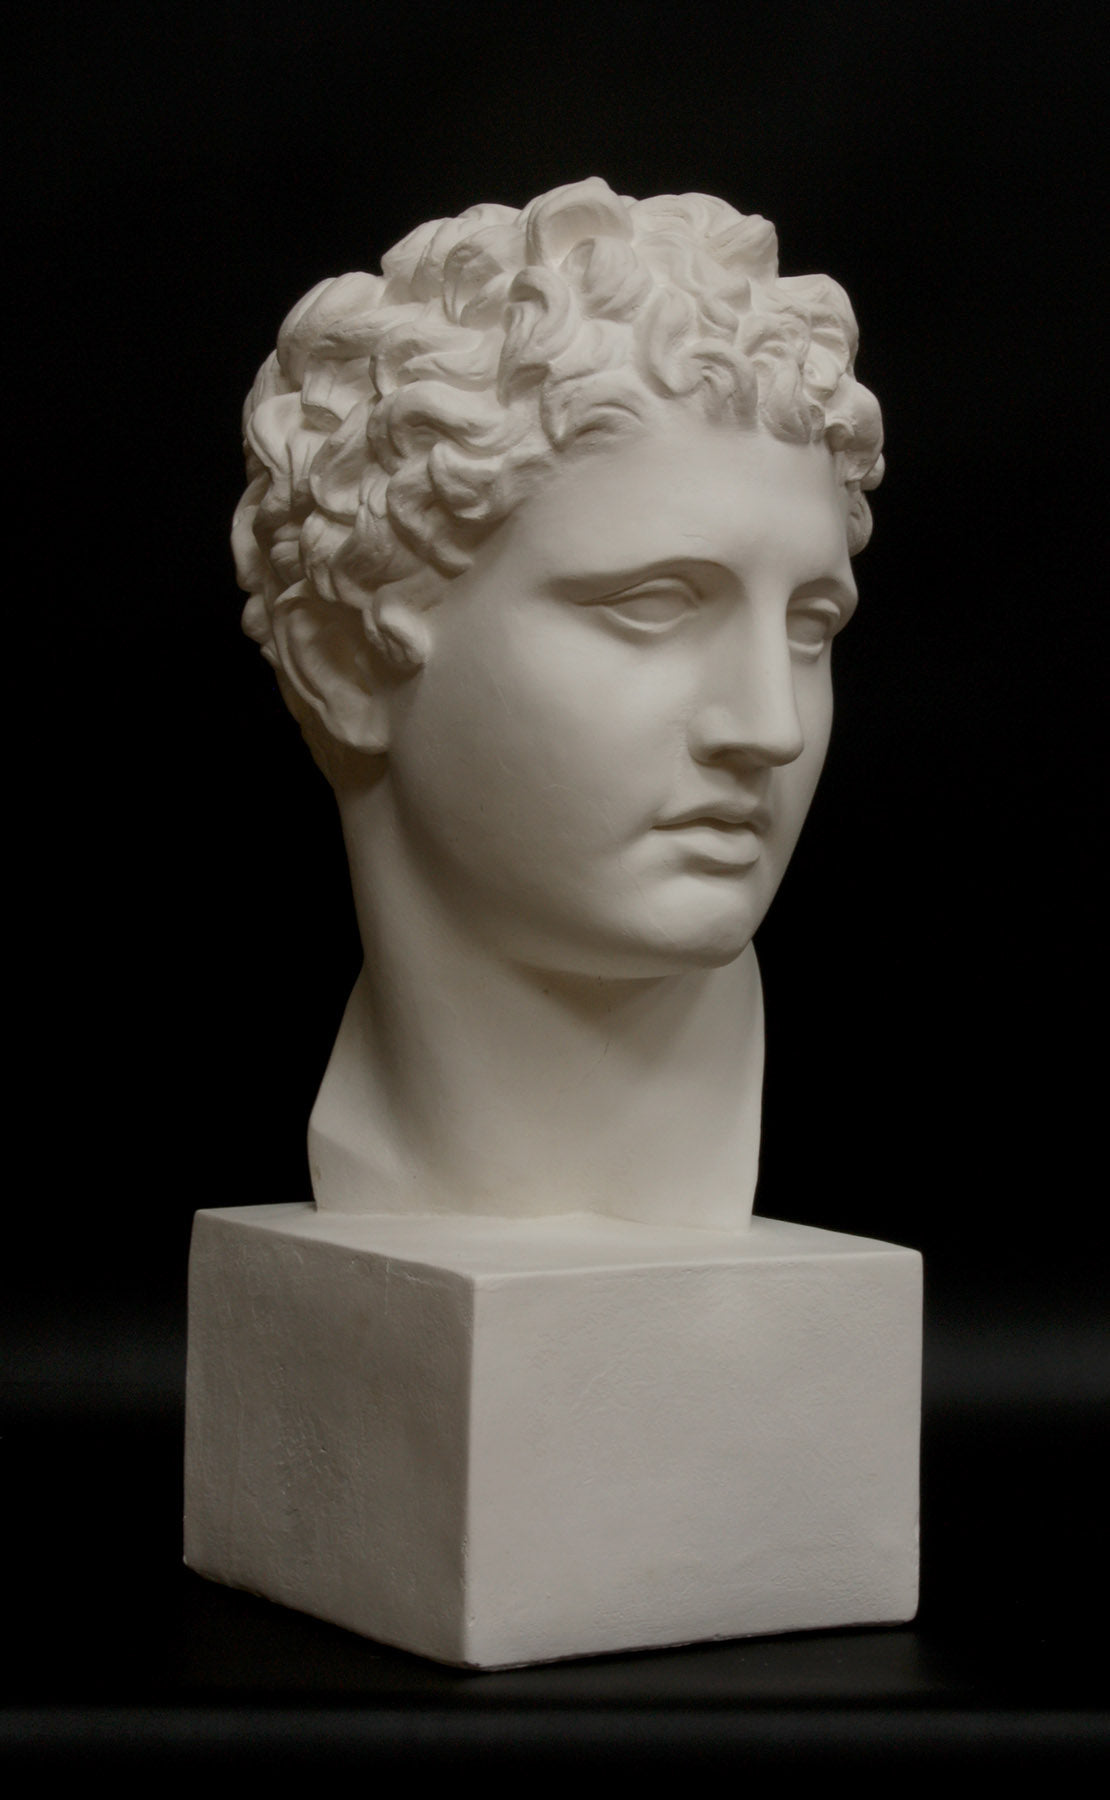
x,y
408,424
403,417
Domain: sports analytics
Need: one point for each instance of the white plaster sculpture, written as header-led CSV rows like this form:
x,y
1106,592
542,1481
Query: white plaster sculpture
x,y
547,536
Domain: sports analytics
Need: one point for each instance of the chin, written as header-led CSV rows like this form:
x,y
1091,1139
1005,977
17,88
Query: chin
x,y
700,936
641,944
718,956
685,949
637,959
715,951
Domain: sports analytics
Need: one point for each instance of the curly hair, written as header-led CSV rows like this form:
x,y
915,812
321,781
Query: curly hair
x,y
404,415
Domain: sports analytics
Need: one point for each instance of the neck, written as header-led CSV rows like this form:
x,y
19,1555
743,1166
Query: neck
x,y
461,1082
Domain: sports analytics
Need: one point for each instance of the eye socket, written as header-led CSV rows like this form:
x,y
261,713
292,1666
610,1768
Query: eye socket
x,y
811,625
655,607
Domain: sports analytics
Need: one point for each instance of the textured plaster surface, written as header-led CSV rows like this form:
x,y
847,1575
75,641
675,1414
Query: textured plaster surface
x,y
498,1444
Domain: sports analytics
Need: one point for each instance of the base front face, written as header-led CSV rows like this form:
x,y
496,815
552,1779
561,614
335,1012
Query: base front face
x,y
498,1443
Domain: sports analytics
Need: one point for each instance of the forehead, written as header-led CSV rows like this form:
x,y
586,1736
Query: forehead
x,y
684,488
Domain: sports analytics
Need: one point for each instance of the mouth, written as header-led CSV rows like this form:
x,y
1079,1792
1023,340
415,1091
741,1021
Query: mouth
x,y
720,816
720,840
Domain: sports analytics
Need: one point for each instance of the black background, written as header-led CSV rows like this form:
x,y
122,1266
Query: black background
x,y
935,1034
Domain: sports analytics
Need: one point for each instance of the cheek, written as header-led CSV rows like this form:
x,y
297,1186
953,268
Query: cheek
x,y
540,716
495,765
797,781
815,709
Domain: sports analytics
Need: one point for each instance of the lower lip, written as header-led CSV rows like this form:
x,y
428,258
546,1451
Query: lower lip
x,y
719,848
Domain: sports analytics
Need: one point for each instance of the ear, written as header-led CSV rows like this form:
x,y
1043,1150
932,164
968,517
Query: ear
x,y
326,656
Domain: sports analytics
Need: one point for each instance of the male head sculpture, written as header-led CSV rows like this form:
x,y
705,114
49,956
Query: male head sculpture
x,y
547,535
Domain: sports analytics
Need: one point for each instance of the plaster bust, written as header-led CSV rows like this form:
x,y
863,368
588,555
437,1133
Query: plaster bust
x,y
547,535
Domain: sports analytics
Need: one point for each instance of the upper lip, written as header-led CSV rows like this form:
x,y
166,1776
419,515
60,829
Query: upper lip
x,y
724,814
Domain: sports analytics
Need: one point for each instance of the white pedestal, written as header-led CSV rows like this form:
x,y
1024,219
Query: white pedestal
x,y
499,1441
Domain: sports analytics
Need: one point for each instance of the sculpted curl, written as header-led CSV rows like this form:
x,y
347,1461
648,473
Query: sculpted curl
x,y
404,415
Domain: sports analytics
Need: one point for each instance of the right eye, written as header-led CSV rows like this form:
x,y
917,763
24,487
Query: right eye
x,y
653,608
811,626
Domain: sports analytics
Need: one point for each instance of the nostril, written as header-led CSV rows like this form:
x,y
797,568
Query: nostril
x,y
714,732
719,734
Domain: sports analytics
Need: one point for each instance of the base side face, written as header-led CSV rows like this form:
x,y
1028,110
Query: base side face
x,y
694,1453
513,1457
326,1424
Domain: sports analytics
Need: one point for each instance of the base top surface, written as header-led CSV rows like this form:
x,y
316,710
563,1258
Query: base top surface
x,y
478,1246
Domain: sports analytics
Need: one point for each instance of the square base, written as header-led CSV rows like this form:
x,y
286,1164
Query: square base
x,y
498,1441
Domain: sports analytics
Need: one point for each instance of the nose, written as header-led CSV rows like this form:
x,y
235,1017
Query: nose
x,y
749,714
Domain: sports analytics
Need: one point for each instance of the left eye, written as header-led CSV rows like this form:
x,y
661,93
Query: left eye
x,y
809,630
651,608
